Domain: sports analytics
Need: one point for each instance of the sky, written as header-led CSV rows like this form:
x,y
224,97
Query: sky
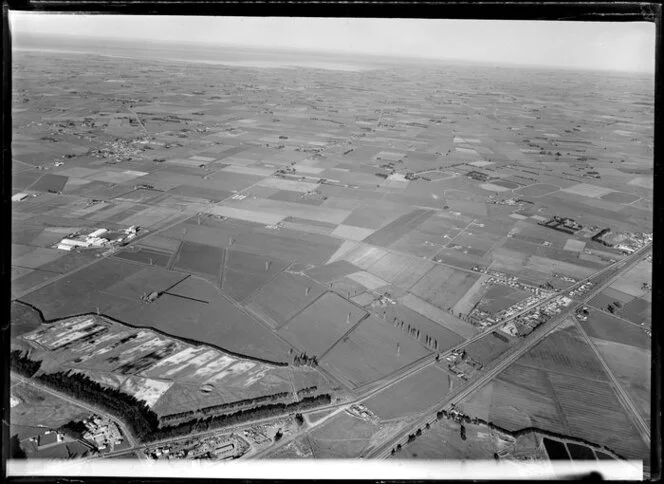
x,y
617,46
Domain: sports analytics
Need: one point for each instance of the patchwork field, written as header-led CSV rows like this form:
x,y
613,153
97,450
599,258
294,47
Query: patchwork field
x,y
321,324
284,296
443,286
372,350
430,385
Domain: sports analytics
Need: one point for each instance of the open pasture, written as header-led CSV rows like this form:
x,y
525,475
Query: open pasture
x,y
374,215
35,257
145,256
522,397
398,228
331,272
638,311
603,326
217,322
292,209
546,265
38,407
210,194
343,436
537,190
372,350
471,297
594,413
444,318
368,280
50,183
496,298
419,243
316,328
145,281
429,384
244,273
284,296
489,347
296,197
23,319
61,298
620,197
631,365
443,442
565,352
361,255
632,281
587,190
150,217
288,245
199,259
443,286
399,269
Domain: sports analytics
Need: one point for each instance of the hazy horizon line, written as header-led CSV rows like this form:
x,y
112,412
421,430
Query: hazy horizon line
x,y
302,50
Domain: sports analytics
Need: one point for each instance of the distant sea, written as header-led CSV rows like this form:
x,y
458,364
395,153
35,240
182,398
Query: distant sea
x,y
205,53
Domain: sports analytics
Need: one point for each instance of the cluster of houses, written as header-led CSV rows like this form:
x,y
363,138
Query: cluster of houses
x,y
223,447
103,432
525,324
360,411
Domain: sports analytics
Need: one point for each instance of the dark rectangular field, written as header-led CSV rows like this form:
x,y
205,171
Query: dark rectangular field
x,y
146,256
398,228
199,258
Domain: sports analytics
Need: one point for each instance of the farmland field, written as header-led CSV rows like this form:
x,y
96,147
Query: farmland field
x,y
443,442
402,271
489,347
603,326
372,350
343,436
631,366
402,317
322,323
439,316
430,384
199,258
146,256
244,273
284,296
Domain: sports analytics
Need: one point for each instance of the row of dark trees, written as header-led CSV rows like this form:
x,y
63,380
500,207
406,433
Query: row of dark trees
x,y
20,362
415,333
307,391
222,407
305,360
241,416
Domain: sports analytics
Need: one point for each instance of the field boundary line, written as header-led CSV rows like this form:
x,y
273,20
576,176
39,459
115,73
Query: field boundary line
x,y
345,335
249,297
222,272
305,307
174,258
